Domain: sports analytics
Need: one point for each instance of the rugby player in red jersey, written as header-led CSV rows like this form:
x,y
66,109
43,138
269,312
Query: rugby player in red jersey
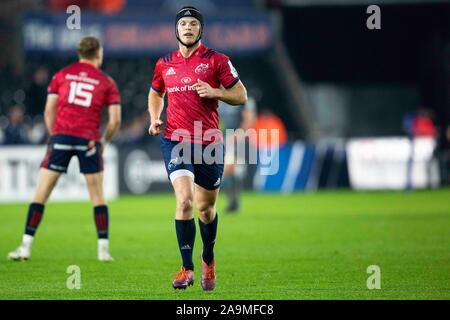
x,y
76,96
194,78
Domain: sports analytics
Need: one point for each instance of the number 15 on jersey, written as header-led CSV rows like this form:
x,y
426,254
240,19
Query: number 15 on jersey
x,y
81,94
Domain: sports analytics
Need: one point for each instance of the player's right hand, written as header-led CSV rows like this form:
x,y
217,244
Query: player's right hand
x,y
155,127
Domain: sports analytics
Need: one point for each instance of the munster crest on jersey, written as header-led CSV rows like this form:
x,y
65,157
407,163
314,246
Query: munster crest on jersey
x,y
202,68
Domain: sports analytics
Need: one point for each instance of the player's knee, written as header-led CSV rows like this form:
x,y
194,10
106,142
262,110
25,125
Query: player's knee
x,y
185,205
206,212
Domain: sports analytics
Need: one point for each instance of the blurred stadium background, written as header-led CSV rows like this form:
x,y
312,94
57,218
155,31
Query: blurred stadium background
x,y
362,110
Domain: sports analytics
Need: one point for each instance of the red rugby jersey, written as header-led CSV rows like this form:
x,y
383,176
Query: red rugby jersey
x,y
177,75
83,91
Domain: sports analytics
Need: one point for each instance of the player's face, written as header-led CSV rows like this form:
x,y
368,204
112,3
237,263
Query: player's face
x,y
188,29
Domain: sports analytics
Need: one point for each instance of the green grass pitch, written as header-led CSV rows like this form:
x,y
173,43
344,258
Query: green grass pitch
x,y
300,246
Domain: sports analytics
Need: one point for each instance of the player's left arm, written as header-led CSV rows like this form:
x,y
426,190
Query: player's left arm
x,y
114,121
236,95
51,107
114,113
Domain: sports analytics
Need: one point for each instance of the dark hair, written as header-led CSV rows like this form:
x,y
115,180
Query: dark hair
x,y
88,47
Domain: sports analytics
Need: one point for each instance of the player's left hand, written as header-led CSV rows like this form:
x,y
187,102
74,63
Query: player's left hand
x,y
204,90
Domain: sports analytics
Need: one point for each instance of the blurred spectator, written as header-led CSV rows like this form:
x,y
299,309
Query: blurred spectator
x,y
419,124
407,124
264,124
235,117
15,131
38,131
37,92
443,154
422,125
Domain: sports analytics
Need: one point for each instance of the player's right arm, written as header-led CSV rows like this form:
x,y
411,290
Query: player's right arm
x,y
155,108
114,113
156,101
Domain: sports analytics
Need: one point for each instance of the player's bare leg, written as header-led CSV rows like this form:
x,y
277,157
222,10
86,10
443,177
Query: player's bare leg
x,y
205,202
46,182
94,184
184,193
185,229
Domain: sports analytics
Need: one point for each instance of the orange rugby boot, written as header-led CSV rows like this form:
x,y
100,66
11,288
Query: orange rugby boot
x,y
208,276
183,279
